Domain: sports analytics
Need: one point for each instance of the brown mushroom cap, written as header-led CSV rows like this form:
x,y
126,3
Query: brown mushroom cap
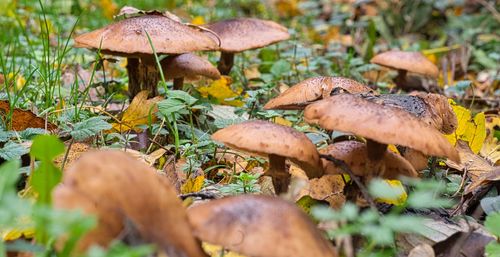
x,y
116,181
264,138
259,226
355,155
128,37
441,112
241,34
409,61
313,89
189,66
384,124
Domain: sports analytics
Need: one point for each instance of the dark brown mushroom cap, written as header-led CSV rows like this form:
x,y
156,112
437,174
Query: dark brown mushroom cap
x,y
259,226
241,34
409,61
128,37
355,155
264,138
188,66
441,112
384,124
313,89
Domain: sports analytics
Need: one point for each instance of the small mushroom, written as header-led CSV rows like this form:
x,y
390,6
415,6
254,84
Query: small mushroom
x,y
355,155
129,38
242,34
380,125
114,184
189,66
259,226
313,89
276,142
404,62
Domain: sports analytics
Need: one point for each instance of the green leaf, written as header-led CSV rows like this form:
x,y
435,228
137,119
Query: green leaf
x,y
12,151
183,96
491,204
89,127
9,173
168,106
280,67
492,223
46,147
493,249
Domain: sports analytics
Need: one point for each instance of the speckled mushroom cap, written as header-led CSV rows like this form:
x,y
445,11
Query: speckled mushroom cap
x,y
189,66
355,155
432,109
241,34
128,37
442,113
264,138
409,61
384,124
254,224
300,95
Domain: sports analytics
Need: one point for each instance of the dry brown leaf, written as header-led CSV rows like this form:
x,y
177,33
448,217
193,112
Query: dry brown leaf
x,y
22,119
470,162
140,112
141,197
328,188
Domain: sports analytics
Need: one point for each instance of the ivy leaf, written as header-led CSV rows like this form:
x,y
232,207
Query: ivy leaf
x,y
89,127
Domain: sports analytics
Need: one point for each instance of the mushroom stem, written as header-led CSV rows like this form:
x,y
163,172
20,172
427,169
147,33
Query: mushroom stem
x,y
277,171
143,75
376,150
226,62
178,83
400,80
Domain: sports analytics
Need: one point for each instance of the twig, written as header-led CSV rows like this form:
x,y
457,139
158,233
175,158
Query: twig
x,y
490,8
342,165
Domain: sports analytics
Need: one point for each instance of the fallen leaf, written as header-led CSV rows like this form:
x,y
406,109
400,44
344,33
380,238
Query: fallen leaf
x,y
469,129
327,188
21,120
140,112
76,150
221,90
217,251
193,184
198,20
400,195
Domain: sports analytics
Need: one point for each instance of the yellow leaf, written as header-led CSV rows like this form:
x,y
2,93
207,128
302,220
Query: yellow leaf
x,y
401,195
193,185
198,20
288,8
282,121
108,7
393,149
216,251
472,130
140,112
222,91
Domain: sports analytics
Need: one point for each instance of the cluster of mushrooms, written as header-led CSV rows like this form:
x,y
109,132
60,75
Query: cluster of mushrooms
x,y
144,34
415,123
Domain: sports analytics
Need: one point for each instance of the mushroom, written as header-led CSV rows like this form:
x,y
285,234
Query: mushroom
x,y
190,66
129,38
114,184
432,109
355,155
241,34
405,62
259,226
380,125
276,142
313,89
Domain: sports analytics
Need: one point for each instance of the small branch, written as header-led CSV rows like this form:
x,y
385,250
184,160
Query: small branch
x,y
342,165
